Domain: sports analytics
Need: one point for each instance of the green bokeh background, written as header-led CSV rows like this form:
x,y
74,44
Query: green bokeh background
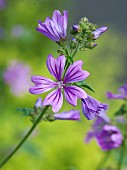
x,y
58,145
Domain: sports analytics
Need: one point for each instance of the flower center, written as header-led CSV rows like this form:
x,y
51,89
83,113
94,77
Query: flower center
x,y
60,84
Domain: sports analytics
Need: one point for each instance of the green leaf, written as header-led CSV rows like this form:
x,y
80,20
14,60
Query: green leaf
x,y
122,110
25,111
83,84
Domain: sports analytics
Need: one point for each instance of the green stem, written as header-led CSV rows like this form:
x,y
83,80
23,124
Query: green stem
x,y
103,161
119,166
75,51
25,137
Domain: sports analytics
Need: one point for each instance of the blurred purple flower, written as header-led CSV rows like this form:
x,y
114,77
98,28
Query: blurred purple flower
x,y
2,4
17,75
70,115
17,31
73,74
122,93
106,135
54,28
99,31
91,107
110,137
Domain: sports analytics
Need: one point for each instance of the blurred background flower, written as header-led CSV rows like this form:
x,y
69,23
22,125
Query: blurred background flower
x,y
2,4
17,76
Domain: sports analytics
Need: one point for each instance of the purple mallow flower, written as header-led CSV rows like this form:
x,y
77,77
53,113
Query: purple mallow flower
x,y
70,115
106,135
54,28
17,75
73,74
110,137
122,93
91,107
99,31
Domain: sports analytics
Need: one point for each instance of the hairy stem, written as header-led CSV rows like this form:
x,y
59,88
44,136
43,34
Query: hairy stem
x,y
25,137
75,51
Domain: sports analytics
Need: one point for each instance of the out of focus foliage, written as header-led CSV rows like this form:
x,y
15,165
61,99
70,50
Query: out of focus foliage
x,y
58,145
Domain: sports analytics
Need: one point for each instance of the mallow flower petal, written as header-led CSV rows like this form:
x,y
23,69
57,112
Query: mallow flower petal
x,y
110,95
42,80
99,31
56,66
65,21
39,89
75,73
72,93
50,26
47,30
55,98
42,84
60,22
70,115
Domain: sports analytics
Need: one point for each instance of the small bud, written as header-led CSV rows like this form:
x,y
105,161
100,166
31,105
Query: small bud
x,y
61,51
76,28
73,43
39,103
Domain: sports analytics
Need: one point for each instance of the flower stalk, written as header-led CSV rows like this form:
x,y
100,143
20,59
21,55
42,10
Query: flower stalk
x,y
36,122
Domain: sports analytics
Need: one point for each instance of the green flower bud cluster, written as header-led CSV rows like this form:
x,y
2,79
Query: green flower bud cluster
x,y
83,34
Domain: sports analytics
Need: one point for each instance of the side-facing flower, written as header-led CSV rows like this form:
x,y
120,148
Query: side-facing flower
x,y
99,31
70,115
71,92
110,137
54,28
91,107
122,93
106,135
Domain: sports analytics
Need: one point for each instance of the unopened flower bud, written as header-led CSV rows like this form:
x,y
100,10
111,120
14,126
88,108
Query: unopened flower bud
x,y
39,103
76,28
73,43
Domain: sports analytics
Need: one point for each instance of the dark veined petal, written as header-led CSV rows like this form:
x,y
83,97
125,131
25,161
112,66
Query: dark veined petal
x,y
56,66
91,107
48,30
60,22
42,80
72,93
70,115
99,31
55,98
75,73
65,21
42,85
